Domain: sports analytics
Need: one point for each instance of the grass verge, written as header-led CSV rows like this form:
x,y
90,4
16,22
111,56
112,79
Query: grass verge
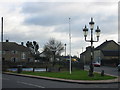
x,y
76,75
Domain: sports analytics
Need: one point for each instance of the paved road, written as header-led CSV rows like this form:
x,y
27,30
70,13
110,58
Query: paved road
x,y
11,81
108,70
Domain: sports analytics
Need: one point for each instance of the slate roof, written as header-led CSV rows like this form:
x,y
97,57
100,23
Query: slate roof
x,y
42,54
104,44
111,53
83,53
9,46
101,46
86,50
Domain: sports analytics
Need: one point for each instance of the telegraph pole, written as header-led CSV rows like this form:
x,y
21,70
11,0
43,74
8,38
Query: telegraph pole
x,y
2,29
1,50
70,44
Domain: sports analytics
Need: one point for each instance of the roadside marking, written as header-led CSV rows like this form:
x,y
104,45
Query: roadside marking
x,y
31,84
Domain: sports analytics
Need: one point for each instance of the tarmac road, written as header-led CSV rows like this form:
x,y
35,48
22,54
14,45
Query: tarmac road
x,y
107,70
11,81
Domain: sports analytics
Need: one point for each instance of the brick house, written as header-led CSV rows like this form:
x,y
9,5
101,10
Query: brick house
x,y
107,53
13,52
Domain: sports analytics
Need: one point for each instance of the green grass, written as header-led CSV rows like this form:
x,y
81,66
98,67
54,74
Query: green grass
x,y
76,75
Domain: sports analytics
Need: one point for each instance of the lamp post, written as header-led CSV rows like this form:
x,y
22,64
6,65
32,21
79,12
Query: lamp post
x,y
85,30
65,49
53,51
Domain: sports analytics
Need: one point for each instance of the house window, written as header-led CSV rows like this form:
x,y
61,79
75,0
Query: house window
x,y
3,52
14,52
3,59
0,52
30,59
13,59
29,52
23,55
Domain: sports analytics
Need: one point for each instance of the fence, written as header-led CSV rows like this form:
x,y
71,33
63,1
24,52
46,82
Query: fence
x,y
60,64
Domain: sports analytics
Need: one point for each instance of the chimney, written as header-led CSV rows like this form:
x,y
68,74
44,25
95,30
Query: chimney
x,y
88,48
7,40
22,43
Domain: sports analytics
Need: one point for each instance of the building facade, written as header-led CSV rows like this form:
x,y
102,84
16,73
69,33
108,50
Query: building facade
x,y
107,54
13,52
85,57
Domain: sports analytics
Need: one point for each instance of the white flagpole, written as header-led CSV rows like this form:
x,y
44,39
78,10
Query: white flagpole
x,y
70,44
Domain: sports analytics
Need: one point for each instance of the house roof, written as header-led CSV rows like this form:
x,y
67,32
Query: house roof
x,y
104,44
100,46
9,46
42,54
87,48
111,53
83,53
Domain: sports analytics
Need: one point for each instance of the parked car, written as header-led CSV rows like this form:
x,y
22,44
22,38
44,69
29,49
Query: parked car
x,y
118,67
96,64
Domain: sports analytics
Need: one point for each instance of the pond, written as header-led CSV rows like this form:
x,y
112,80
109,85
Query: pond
x,y
28,69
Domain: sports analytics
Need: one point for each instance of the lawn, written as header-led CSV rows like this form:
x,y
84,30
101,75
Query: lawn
x,y
76,75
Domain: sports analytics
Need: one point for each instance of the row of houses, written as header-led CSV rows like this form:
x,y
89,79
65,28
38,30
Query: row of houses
x,y
107,53
11,51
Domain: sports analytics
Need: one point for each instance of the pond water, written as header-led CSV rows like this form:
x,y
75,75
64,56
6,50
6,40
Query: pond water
x,y
28,69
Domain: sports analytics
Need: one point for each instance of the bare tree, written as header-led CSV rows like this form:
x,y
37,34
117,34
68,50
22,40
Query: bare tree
x,y
53,48
34,50
33,46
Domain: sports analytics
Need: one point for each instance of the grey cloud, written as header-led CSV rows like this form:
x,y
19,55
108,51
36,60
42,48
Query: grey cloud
x,y
33,7
51,19
76,30
107,25
39,7
46,20
48,14
104,4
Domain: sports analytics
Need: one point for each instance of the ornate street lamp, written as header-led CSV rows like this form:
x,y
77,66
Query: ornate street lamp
x,y
97,32
85,31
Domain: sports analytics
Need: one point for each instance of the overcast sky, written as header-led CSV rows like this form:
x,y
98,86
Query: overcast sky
x,y
40,21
